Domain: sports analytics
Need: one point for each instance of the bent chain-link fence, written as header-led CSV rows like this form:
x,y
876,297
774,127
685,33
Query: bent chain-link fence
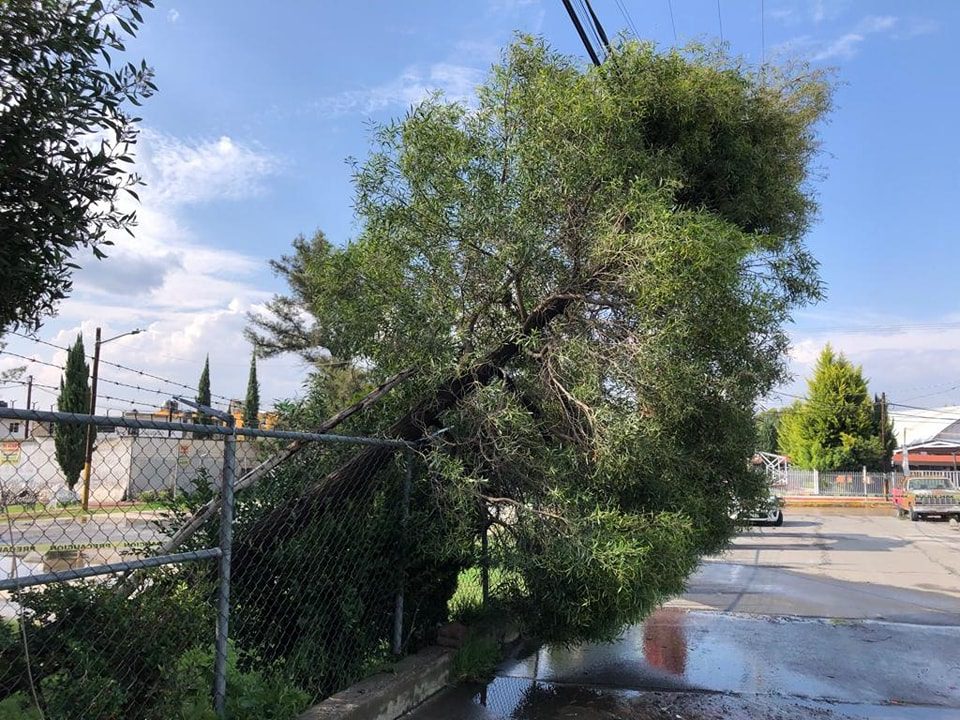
x,y
166,597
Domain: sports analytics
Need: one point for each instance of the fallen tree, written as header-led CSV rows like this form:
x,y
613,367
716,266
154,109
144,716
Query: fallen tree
x,y
582,279
591,271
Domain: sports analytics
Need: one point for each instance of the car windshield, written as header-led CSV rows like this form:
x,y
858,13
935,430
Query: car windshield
x,y
929,484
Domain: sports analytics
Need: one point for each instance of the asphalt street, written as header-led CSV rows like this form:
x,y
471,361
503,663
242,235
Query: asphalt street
x,y
837,614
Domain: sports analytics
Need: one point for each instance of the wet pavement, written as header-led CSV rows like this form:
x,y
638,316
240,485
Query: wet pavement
x,y
834,617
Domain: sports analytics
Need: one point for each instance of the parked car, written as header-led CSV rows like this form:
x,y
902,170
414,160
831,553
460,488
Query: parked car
x,y
771,513
923,497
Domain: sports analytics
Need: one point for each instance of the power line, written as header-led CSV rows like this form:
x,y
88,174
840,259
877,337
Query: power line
x,y
626,16
593,30
581,32
673,23
763,34
931,413
598,27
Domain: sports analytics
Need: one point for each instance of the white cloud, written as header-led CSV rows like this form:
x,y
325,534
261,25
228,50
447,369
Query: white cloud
x,y
847,45
173,15
907,361
412,86
190,296
875,23
844,46
819,11
182,172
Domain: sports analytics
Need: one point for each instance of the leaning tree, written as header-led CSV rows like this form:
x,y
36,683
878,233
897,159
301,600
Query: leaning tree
x,y
589,273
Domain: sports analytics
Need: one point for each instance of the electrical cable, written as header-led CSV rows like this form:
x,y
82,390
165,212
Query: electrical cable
x,y
626,16
673,23
581,32
598,26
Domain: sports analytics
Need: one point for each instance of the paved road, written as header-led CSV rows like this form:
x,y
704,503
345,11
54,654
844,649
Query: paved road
x,y
57,544
834,615
838,565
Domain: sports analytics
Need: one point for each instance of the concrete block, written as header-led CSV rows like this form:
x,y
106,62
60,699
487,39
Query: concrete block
x,y
387,695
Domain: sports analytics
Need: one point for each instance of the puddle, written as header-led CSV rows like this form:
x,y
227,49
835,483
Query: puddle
x,y
679,650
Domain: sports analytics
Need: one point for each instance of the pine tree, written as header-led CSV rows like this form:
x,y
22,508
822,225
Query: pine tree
x,y
834,428
74,397
251,406
203,396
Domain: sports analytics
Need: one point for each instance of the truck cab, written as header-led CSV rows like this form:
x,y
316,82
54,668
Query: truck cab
x,y
927,496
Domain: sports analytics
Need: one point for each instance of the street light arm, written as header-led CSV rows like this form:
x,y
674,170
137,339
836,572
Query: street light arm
x,y
136,331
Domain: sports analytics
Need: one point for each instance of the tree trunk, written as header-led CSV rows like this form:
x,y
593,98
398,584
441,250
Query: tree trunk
x,y
359,474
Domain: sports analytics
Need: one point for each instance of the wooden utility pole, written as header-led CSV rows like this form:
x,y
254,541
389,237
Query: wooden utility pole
x,y
883,429
26,423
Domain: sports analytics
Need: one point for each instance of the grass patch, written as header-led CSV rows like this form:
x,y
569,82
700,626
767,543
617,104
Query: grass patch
x,y
39,511
477,659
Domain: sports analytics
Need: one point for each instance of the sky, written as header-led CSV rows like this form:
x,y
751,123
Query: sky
x,y
261,105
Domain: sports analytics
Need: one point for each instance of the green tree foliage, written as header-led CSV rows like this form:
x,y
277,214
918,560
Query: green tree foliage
x,y
590,271
65,138
836,427
767,424
74,397
203,396
251,404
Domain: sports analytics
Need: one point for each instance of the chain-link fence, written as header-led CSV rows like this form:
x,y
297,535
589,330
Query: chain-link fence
x,y
251,571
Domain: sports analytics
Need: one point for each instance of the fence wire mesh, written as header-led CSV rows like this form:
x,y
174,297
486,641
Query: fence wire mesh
x,y
99,647
327,583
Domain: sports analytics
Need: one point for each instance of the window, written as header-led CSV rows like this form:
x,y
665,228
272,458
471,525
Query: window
x,y
14,428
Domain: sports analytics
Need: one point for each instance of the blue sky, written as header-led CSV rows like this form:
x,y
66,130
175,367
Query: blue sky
x,y
261,103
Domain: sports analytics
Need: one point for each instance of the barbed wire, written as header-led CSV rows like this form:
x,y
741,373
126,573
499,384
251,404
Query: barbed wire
x,y
155,391
121,366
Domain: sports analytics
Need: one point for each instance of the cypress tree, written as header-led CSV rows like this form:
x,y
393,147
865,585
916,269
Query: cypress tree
x,y
74,397
203,396
251,406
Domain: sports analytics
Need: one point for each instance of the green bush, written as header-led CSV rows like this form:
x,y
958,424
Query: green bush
x,y
18,707
251,694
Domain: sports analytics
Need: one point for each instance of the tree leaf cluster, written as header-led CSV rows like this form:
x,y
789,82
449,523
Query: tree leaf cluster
x,y
838,425
66,136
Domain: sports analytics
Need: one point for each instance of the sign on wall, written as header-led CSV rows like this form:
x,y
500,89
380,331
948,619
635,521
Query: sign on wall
x,y
9,452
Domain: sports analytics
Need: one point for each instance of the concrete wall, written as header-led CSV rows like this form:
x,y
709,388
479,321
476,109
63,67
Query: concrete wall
x,y
38,469
176,463
125,466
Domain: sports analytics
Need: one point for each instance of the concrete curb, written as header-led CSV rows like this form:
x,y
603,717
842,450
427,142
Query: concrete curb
x,y
387,695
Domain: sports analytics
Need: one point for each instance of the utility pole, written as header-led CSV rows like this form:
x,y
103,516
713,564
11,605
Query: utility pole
x,y
26,423
883,429
91,431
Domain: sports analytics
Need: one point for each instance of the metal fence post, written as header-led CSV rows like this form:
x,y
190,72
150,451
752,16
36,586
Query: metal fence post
x,y
485,565
816,481
404,547
223,590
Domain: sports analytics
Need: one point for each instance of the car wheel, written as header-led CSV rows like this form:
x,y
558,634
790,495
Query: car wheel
x,y
914,515
779,521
